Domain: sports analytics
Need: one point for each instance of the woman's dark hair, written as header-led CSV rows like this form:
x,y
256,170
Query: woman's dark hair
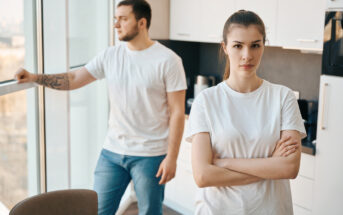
x,y
245,18
140,8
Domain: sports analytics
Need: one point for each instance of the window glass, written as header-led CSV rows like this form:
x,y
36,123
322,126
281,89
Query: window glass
x,y
18,110
88,29
12,40
13,149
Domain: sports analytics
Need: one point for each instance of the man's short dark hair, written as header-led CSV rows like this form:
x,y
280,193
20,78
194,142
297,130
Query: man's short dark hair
x,y
140,8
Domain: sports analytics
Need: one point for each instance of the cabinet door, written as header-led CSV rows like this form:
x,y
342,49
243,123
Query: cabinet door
x,y
267,10
328,186
307,166
332,4
214,14
300,24
184,20
298,210
302,192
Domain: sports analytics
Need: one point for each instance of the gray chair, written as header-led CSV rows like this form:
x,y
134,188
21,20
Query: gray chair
x,y
63,202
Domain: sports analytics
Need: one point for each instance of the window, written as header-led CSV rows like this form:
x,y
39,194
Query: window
x,y
88,35
18,125
12,38
71,126
88,29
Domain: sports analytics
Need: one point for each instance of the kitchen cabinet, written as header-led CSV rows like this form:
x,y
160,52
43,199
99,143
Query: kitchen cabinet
x,y
214,14
297,210
199,20
300,24
334,4
267,10
180,192
184,20
302,187
288,23
328,187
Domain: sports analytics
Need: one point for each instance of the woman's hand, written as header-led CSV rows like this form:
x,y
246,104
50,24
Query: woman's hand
x,y
285,147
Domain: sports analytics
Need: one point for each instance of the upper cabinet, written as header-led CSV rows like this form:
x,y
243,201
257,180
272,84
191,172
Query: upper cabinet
x,y
266,9
289,23
300,26
334,4
199,20
184,20
213,15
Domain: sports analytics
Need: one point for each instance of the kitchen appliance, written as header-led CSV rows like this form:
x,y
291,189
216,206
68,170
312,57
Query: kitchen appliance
x,y
328,183
203,82
332,63
309,111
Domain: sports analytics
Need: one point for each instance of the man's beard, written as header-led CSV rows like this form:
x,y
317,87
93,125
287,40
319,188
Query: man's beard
x,y
131,35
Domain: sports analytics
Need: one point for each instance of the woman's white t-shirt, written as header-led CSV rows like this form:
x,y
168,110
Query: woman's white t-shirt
x,y
245,125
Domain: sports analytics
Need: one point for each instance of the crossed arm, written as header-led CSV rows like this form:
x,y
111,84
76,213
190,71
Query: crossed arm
x,y
209,171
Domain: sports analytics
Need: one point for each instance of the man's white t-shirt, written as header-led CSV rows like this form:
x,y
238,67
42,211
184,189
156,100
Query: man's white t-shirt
x,y
245,125
138,82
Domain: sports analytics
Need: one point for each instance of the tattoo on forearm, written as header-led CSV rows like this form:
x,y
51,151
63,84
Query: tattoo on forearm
x,y
58,81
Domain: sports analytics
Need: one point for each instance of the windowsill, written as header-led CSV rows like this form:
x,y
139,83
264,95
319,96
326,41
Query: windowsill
x,y
11,86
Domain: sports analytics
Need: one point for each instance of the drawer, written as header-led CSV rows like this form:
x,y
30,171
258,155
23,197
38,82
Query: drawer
x,y
302,192
307,166
300,210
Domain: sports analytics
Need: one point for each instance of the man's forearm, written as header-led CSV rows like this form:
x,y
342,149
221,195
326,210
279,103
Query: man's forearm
x,y
176,126
56,81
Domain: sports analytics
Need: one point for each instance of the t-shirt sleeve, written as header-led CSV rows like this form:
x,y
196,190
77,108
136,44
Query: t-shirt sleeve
x,y
96,66
175,78
197,121
290,115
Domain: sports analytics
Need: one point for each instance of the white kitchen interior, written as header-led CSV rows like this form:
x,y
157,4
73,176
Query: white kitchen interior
x,y
75,122
295,31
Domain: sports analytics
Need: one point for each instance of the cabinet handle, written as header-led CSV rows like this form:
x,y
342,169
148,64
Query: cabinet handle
x,y
322,127
213,36
306,41
183,34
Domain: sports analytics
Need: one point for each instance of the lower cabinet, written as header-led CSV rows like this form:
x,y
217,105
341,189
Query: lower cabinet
x,y
180,192
300,210
303,186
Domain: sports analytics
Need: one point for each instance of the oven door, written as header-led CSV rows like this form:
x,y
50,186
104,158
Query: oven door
x,y
332,63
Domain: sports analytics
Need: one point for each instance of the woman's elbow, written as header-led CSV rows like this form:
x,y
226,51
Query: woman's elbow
x,y
292,171
201,179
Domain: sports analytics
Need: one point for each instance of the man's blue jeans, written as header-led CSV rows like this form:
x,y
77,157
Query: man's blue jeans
x,y
114,172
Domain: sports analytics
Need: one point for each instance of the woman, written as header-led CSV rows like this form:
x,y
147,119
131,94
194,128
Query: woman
x,y
245,132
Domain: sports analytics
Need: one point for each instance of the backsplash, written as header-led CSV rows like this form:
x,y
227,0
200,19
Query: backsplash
x,y
296,70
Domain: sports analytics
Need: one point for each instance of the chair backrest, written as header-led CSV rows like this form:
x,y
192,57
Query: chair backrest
x,y
63,202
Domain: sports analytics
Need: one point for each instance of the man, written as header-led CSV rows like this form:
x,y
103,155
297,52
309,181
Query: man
x,y
146,84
